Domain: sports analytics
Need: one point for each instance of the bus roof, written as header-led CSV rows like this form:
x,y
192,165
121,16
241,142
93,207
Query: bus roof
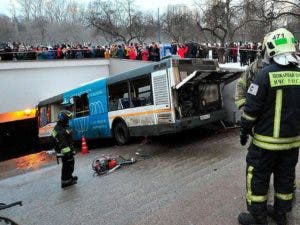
x,y
57,98
92,81
163,64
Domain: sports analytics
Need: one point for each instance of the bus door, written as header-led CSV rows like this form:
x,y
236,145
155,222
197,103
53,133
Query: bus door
x,y
161,96
99,124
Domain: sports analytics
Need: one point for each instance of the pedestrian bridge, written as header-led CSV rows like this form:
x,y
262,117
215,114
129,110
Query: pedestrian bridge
x,y
24,84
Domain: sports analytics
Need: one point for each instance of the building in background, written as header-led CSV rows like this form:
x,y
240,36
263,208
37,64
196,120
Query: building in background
x,y
182,9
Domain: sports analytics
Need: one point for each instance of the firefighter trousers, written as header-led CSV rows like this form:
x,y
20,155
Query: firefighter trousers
x,y
67,168
261,164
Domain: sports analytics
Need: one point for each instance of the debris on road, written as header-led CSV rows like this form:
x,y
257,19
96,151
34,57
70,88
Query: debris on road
x,y
107,164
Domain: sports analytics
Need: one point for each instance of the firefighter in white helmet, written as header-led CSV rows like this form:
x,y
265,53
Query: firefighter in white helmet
x,y
272,115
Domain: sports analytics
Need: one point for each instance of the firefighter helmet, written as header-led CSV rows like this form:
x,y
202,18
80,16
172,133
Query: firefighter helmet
x,y
64,116
280,45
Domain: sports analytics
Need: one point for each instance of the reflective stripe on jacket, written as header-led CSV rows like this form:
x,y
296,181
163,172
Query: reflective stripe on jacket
x,y
63,138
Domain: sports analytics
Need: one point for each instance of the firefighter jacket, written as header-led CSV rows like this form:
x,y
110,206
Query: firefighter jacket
x,y
244,82
273,108
63,138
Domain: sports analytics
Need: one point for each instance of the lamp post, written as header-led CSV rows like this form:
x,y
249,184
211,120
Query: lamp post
x,y
158,27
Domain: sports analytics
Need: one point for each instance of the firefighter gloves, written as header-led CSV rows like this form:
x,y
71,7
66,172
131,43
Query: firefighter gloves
x,y
244,135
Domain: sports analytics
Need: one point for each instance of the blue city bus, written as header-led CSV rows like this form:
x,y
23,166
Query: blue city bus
x,y
159,98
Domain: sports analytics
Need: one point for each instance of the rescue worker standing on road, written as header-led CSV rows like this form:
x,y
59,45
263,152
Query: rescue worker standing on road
x,y
244,82
64,147
272,108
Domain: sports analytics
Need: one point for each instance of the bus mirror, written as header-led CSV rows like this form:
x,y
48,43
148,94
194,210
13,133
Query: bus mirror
x,y
72,101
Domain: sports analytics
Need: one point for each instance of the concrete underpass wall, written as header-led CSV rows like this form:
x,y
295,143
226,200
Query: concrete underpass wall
x,y
24,84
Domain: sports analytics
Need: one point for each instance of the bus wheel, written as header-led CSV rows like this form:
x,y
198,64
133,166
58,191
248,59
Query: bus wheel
x,y
121,133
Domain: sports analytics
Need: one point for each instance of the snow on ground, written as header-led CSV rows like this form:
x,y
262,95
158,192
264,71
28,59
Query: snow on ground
x,y
233,66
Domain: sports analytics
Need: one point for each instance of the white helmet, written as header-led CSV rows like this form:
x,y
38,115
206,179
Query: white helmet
x,y
280,45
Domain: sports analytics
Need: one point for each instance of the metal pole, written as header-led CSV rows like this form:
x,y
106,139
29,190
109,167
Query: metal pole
x,y
158,27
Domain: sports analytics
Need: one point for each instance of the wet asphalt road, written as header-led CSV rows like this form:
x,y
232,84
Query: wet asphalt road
x,y
193,178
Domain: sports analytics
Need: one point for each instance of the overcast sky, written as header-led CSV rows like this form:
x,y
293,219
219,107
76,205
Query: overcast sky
x,y
144,4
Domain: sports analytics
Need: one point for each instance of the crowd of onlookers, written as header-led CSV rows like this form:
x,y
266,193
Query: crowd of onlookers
x,y
20,51
244,53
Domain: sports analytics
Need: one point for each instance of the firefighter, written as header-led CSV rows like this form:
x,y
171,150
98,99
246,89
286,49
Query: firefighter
x,y
244,82
272,115
248,77
64,148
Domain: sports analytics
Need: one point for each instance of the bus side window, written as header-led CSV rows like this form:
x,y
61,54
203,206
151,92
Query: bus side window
x,y
81,106
141,92
118,96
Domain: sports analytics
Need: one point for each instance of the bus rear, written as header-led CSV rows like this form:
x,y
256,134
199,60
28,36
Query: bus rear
x,y
197,91
188,94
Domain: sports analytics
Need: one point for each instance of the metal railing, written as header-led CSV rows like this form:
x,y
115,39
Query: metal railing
x,y
5,206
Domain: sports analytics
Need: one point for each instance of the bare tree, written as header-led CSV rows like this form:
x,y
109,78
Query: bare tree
x,y
25,8
49,21
6,28
275,13
254,28
225,20
221,19
145,27
55,10
119,19
41,22
178,26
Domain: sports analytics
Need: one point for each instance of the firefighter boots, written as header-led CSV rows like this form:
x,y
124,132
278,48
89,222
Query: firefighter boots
x,y
280,219
249,219
75,178
65,184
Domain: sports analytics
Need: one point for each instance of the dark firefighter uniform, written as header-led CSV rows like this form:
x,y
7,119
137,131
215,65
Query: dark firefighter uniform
x,y
244,82
273,109
64,147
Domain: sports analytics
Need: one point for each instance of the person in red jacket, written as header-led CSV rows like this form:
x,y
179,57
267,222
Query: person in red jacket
x,y
132,53
59,53
145,54
182,50
234,52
